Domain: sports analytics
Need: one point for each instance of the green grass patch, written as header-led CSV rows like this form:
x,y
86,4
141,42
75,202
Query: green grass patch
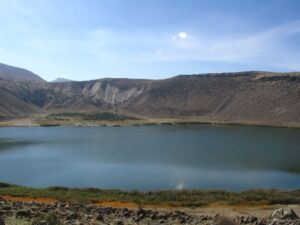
x,y
105,116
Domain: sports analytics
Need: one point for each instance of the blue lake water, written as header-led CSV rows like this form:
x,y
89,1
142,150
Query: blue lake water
x,y
152,157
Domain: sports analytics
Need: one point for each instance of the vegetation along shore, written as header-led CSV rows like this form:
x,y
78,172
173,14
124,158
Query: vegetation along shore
x,y
60,205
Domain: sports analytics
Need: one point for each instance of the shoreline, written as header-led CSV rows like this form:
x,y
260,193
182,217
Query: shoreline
x,y
37,122
31,212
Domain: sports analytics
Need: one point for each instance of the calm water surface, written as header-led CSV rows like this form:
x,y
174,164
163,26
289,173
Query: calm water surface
x,y
152,157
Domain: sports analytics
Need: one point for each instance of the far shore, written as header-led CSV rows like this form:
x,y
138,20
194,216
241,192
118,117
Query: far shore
x,y
43,122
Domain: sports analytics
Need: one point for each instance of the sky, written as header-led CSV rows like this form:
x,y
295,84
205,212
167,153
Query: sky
x,y
152,39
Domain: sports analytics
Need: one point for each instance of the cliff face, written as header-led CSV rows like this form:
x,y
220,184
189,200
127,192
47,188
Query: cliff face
x,y
247,96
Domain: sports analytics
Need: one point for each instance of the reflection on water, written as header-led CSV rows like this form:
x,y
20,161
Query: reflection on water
x,y
156,157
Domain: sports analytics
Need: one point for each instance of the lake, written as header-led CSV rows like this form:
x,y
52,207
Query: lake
x,y
152,157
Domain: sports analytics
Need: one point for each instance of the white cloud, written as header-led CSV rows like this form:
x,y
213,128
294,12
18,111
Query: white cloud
x,y
181,35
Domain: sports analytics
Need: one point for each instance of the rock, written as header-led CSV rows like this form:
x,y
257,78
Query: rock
x,y
126,214
39,222
225,221
249,219
6,208
260,222
141,212
44,210
100,218
119,223
20,214
153,216
183,220
284,214
1,221
73,216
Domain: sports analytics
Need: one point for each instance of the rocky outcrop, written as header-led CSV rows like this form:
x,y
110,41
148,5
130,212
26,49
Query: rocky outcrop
x,y
284,214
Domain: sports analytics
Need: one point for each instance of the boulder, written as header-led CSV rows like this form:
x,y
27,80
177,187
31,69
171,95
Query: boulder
x,y
284,214
99,218
2,221
73,216
21,214
225,221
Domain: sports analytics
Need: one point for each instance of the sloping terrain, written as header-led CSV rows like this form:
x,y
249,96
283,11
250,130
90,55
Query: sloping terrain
x,y
254,97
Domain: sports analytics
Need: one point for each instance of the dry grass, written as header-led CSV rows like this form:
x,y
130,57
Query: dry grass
x,y
184,198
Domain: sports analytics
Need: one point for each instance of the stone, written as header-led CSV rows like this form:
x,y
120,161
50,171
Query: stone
x,y
6,208
119,223
73,216
100,218
225,221
126,214
284,214
41,222
20,214
260,222
2,221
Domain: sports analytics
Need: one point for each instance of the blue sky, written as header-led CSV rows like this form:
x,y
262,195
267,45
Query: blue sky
x,y
90,39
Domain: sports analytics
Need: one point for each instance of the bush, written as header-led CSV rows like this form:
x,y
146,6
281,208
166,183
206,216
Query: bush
x,y
4,185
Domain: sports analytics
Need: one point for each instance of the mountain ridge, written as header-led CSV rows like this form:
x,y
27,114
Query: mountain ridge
x,y
253,96
18,74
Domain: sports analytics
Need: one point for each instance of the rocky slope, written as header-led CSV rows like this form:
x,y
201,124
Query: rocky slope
x,y
246,97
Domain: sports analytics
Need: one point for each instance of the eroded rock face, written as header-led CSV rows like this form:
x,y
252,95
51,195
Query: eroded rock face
x,y
111,93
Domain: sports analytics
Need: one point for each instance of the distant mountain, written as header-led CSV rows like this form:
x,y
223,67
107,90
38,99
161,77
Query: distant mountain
x,y
17,74
61,80
246,97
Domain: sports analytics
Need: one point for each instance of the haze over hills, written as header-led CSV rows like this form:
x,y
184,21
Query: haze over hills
x,y
245,97
61,80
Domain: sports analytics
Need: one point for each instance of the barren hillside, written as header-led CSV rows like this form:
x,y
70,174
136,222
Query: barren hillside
x,y
259,97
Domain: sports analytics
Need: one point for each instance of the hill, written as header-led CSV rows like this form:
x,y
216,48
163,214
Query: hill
x,y
247,97
17,74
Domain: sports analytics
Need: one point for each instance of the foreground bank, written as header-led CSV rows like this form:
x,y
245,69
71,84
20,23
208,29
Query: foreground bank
x,y
56,213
